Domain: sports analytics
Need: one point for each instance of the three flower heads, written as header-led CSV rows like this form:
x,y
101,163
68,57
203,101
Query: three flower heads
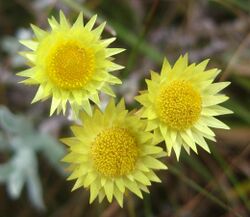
x,y
114,150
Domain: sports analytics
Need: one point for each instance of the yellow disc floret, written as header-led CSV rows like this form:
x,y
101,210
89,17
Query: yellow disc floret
x,y
70,65
114,152
178,104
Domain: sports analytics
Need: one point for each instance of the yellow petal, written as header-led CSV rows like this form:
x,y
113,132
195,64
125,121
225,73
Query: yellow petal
x,y
201,141
153,163
109,190
98,31
113,51
78,184
86,106
90,178
120,184
107,89
63,20
119,197
38,32
153,177
107,42
213,122
213,100
30,44
177,150
79,20
94,191
54,104
91,23
132,186
139,176
53,23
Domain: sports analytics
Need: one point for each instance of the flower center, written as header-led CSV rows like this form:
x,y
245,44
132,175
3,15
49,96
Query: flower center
x,y
114,152
70,65
178,104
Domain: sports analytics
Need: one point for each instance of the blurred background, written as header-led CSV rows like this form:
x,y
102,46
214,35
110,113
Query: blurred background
x,y
32,178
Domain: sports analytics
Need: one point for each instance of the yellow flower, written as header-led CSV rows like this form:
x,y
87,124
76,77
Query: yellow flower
x,y
111,153
180,104
70,64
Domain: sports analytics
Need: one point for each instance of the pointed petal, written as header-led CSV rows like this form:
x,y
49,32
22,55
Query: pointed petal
x,y
107,42
114,80
153,163
94,191
186,148
53,23
28,55
133,187
39,94
201,141
153,177
113,51
120,184
139,176
101,196
86,106
179,66
79,21
109,190
189,140
38,32
63,20
107,89
95,98
214,88
78,184
98,30
200,126
119,196
166,67
141,166
202,66
215,111
70,141
113,66
91,23
54,104
221,110
177,149
30,44
215,123
27,73
90,178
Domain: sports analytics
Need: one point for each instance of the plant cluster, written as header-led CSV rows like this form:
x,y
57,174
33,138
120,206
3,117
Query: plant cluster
x,y
114,150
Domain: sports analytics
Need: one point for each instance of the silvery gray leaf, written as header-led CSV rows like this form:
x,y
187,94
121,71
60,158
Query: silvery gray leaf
x,y
17,143
13,123
15,183
22,169
34,188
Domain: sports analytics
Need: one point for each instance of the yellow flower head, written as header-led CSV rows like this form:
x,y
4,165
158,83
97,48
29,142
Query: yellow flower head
x,y
180,104
111,152
70,63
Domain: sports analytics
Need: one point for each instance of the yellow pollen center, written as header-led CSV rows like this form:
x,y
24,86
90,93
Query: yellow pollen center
x,y
178,104
114,152
70,66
